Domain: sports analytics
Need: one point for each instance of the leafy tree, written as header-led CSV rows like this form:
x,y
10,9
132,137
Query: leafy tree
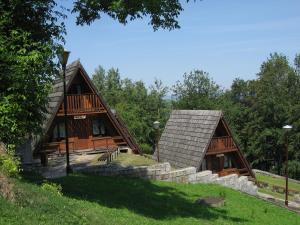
x,y
31,33
29,39
196,91
99,79
258,110
162,13
138,106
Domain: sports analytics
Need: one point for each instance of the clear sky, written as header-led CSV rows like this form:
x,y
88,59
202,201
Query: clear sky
x,y
227,39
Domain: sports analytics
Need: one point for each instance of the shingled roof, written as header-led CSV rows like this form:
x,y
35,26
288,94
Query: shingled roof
x,y
56,99
57,94
187,135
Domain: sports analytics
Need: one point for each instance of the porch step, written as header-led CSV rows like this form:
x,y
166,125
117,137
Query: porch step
x,y
233,181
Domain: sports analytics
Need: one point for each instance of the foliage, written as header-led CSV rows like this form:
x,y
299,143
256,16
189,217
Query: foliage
x,y
146,149
196,91
29,37
138,106
52,187
91,199
9,165
162,13
259,108
31,33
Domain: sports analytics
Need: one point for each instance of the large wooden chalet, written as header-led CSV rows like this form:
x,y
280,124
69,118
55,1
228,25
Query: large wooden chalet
x,y
92,126
201,138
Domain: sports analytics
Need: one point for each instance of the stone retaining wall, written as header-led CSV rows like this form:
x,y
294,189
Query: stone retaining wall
x,y
186,175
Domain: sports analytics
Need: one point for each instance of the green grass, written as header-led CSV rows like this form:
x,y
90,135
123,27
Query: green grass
x,y
126,159
278,182
91,199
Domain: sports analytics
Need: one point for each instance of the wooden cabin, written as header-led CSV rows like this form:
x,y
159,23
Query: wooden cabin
x,y
92,126
202,139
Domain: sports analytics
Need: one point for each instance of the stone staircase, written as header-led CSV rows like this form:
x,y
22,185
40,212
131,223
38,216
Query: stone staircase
x,y
233,181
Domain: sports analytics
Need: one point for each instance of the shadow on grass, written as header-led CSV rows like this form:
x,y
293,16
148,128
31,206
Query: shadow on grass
x,y
140,196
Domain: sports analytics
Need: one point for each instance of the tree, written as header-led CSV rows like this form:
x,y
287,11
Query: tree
x,y
29,39
138,106
99,79
257,110
162,13
31,33
197,91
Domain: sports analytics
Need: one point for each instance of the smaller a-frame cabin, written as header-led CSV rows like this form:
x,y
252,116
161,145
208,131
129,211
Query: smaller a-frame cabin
x,y
92,126
202,139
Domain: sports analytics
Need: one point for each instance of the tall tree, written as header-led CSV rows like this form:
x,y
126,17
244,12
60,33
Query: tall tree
x,y
31,32
29,38
137,105
196,91
258,110
162,13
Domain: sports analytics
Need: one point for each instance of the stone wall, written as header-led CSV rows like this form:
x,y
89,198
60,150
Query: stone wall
x,y
164,172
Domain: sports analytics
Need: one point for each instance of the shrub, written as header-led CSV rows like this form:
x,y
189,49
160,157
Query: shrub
x,y
9,165
146,148
53,188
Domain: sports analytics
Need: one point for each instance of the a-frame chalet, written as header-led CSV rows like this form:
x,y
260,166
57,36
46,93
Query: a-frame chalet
x,y
201,138
92,126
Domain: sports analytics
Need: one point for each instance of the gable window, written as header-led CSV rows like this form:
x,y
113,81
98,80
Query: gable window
x,y
78,89
59,131
98,127
227,161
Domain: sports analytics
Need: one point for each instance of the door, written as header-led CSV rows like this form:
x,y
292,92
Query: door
x,y
81,133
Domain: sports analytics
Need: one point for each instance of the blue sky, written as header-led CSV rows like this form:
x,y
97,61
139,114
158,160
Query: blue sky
x,y
227,39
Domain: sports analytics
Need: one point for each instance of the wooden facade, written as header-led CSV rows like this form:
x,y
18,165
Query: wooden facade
x,y
202,139
92,126
223,155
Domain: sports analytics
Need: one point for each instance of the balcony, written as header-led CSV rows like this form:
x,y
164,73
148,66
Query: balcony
x,y
221,145
84,103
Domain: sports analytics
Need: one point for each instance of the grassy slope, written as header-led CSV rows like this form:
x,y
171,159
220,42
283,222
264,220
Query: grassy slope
x,y
278,182
109,200
125,159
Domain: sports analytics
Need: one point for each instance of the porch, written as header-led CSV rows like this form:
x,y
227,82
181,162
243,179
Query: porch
x,y
222,157
83,103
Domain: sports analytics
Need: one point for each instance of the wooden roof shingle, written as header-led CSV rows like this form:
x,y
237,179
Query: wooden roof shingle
x,y
187,135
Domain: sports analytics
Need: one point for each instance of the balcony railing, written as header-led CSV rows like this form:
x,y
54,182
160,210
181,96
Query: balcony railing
x,y
219,144
82,103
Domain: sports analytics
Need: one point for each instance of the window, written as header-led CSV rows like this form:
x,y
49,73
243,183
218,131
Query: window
x,y
98,127
78,89
59,131
227,161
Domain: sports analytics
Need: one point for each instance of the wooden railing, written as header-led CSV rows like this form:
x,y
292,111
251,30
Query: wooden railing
x,y
220,144
82,103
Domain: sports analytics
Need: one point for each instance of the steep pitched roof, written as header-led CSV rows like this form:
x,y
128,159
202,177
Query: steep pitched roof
x,y
187,135
56,99
57,94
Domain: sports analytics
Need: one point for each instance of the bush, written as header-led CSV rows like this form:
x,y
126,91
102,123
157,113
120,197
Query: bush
x,y
9,165
146,148
53,188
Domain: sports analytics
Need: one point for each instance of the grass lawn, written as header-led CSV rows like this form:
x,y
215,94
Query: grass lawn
x,y
126,159
278,182
89,199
